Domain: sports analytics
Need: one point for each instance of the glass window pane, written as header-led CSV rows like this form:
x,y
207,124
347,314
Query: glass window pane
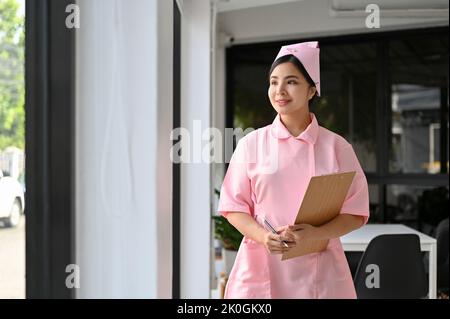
x,y
375,214
251,105
419,73
420,207
348,103
12,149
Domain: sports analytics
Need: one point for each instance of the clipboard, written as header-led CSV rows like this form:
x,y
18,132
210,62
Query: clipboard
x,y
322,202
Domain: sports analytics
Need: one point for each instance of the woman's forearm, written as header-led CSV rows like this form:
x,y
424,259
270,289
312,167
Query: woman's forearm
x,y
339,226
247,226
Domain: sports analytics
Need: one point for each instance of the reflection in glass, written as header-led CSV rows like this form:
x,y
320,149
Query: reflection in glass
x,y
374,207
415,129
420,207
12,149
251,105
347,105
348,102
419,67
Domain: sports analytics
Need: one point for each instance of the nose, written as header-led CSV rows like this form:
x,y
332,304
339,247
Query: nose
x,y
280,90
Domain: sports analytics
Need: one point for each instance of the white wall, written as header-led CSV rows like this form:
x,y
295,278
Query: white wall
x,y
195,178
123,170
302,19
218,106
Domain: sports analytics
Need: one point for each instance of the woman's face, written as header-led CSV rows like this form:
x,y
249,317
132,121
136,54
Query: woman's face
x,y
289,91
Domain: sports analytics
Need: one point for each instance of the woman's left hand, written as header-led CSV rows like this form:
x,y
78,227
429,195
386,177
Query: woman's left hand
x,y
303,232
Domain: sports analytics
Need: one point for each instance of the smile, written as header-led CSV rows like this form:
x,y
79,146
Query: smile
x,y
282,102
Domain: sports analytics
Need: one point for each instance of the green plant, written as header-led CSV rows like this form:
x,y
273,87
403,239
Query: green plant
x,y
12,84
225,232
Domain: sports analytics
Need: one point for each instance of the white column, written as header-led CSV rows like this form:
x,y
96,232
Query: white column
x,y
432,270
218,108
123,168
195,178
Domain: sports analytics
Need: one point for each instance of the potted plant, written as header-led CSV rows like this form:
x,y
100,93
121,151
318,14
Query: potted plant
x,y
230,238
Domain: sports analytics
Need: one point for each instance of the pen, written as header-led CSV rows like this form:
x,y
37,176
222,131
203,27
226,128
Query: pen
x,y
274,231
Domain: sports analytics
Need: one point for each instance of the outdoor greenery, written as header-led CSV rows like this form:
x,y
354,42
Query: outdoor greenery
x,y
229,236
12,87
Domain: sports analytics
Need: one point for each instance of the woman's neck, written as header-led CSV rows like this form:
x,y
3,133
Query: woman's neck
x,y
297,122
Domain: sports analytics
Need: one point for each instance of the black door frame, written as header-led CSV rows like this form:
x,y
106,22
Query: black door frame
x,y
176,169
49,149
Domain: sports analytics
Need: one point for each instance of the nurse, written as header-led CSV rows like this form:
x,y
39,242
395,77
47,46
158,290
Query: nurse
x,y
267,178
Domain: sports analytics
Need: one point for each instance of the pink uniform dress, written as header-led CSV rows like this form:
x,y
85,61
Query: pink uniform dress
x,y
253,186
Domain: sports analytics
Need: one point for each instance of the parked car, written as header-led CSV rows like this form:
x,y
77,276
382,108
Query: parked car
x,y
12,201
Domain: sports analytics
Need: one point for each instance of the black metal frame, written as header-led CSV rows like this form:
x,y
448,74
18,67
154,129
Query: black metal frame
x,y
444,132
50,152
381,177
176,216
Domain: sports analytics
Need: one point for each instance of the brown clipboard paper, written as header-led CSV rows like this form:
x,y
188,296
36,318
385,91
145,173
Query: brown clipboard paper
x,y
322,202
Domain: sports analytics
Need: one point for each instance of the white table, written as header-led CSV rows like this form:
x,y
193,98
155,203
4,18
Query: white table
x,y
360,238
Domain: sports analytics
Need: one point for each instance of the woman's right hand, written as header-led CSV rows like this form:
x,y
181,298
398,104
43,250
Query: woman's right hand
x,y
248,227
274,242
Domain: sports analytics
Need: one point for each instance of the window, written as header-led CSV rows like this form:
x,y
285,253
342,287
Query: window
x,y
348,102
12,149
419,73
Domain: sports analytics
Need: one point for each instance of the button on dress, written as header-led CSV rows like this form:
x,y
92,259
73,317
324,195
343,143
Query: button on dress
x,y
267,178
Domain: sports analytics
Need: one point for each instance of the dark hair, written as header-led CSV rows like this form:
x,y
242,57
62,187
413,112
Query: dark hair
x,y
296,62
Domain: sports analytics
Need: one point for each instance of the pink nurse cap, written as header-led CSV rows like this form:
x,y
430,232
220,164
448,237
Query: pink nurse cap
x,y
308,54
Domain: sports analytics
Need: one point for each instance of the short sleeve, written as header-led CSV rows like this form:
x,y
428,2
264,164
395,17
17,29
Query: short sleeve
x,y
235,193
357,200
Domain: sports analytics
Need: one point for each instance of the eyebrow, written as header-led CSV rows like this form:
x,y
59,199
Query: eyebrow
x,y
286,77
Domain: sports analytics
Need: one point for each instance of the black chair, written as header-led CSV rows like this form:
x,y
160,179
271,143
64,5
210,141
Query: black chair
x,y
442,256
397,261
353,259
